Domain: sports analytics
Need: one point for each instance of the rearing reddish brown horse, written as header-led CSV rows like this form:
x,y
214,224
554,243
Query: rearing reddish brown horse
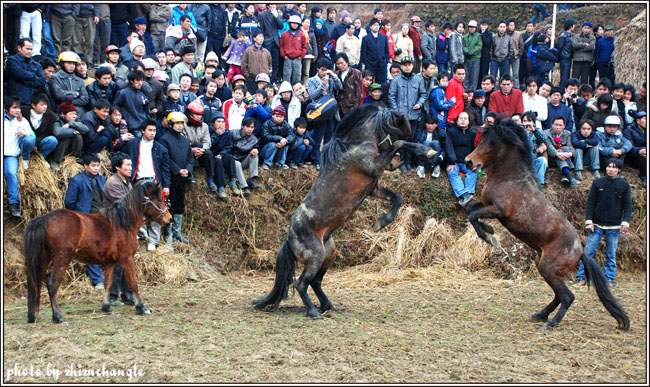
x,y
511,194
104,238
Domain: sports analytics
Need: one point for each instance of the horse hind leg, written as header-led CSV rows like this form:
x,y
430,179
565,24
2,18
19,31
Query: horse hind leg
x,y
52,288
563,296
313,254
325,303
108,281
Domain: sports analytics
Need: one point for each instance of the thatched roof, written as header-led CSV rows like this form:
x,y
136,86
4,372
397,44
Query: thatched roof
x,y
630,52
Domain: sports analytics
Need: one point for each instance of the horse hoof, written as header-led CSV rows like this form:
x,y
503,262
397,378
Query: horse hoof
x,y
537,318
431,153
377,225
58,320
546,326
326,308
106,308
491,239
313,313
142,309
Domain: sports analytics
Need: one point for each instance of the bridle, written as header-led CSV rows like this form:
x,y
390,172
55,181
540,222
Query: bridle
x,y
161,211
390,142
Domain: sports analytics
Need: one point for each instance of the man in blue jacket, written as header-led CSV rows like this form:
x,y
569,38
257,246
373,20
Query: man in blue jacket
x,y
24,76
85,195
604,55
374,52
217,20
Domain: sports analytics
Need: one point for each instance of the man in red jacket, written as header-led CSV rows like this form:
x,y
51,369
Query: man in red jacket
x,y
456,89
293,47
506,101
414,34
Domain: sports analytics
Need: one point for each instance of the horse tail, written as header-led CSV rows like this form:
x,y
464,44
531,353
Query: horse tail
x,y
594,274
35,252
285,268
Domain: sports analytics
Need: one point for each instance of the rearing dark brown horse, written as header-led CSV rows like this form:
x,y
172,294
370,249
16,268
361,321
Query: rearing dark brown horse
x,y
104,238
511,194
364,144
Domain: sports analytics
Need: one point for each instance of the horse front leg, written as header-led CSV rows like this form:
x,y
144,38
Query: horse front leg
x,y
483,230
396,201
128,265
108,281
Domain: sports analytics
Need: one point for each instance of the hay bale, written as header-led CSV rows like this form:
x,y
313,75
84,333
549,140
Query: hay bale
x,y
630,51
38,189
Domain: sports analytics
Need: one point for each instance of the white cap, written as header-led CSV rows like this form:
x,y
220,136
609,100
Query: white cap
x,y
472,23
612,120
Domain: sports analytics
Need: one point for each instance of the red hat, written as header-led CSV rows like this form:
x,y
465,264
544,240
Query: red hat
x,y
112,48
280,110
67,107
416,19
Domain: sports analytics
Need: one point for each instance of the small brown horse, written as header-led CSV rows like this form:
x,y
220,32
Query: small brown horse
x,y
511,194
364,144
104,238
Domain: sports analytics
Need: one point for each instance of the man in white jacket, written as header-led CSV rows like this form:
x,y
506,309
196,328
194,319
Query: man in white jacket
x,y
19,139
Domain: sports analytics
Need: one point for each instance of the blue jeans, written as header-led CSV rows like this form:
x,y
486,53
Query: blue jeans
x,y
318,133
270,151
275,60
48,42
443,67
456,182
611,243
47,146
27,144
300,153
11,173
95,274
589,156
565,70
540,165
499,67
119,33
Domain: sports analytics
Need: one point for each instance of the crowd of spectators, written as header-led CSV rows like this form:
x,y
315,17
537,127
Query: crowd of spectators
x,y
226,88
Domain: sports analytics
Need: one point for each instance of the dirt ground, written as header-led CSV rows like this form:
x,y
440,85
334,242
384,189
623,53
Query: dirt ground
x,y
426,325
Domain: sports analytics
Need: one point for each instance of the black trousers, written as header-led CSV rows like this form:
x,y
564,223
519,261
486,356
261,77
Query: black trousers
x,y
206,161
637,162
581,71
71,145
224,166
177,195
119,285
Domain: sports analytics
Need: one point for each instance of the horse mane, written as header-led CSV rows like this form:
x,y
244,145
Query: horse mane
x,y
508,133
127,211
351,131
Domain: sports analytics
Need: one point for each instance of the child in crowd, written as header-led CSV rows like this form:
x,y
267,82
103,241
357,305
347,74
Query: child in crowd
x,y
301,147
277,136
234,109
260,110
438,102
173,102
120,128
435,138
234,53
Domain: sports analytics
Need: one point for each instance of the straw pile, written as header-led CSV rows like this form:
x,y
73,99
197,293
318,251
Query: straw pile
x,y
630,52
38,189
399,246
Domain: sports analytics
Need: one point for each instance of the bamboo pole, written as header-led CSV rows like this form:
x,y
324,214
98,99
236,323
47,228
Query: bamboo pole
x,y
550,73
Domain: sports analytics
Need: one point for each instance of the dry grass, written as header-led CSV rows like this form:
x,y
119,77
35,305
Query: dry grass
x,y
630,51
38,189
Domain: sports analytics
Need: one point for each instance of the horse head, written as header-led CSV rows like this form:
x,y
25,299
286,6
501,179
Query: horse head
x,y
390,126
499,142
155,209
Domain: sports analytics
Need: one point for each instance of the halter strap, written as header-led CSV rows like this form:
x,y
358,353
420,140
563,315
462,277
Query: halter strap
x,y
384,140
161,211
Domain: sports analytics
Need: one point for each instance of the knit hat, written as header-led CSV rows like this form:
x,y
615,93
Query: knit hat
x,y
588,24
374,86
319,20
140,20
211,56
67,106
135,43
344,14
479,93
280,110
218,115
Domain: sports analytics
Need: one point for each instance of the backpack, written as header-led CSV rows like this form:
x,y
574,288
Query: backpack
x,y
321,110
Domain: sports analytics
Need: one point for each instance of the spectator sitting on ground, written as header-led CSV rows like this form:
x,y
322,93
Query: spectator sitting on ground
x,y
245,151
41,120
477,109
198,134
538,147
66,83
507,100
603,109
234,109
557,109
99,134
612,144
186,96
224,162
302,146
277,136
120,129
560,150
636,134
585,144
173,102
459,142
434,137
70,133
103,87
288,100
133,101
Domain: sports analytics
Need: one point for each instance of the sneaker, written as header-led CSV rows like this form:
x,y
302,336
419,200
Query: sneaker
x,y
192,179
643,179
580,282
151,247
47,165
318,167
302,165
284,166
596,174
246,191
612,284
464,199
293,166
436,172
235,189
15,210
213,187
56,166
222,193
25,164
578,175
573,181
420,172
265,166
252,183
565,180
116,303
99,286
